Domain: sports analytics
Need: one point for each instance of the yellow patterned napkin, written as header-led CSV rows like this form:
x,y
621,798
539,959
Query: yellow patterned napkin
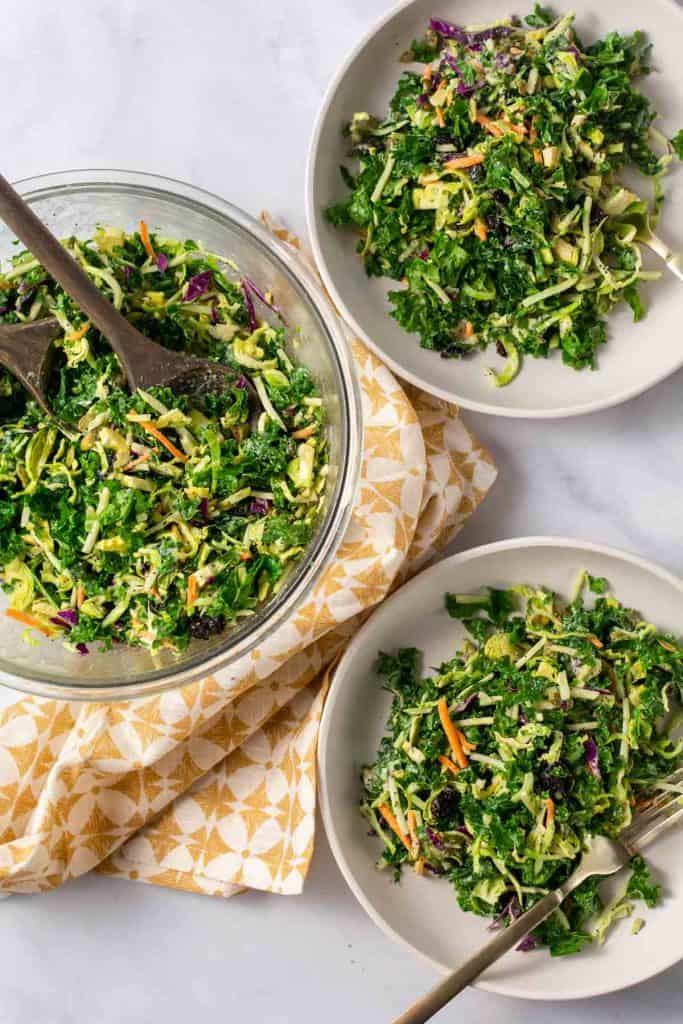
x,y
211,788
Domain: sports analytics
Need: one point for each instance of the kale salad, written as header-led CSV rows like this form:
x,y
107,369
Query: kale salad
x,y
553,722
491,189
143,518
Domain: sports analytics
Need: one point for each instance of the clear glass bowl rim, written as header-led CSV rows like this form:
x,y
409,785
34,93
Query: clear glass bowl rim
x,y
319,556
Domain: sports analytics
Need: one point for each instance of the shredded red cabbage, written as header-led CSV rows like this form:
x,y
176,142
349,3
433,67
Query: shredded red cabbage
x,y
68,617
249,303
448,30
259,506
465,705
511,911
252,286
204,510
434,838
162,262
462,89
472,40
592,759
198,284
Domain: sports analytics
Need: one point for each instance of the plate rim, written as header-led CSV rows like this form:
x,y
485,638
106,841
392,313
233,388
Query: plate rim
x,y
336,685
562,412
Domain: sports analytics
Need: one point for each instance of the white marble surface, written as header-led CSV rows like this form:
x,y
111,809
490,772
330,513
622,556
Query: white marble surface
x,y
223,94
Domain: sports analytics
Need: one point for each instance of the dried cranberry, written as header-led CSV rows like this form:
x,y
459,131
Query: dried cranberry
x,y
500,349
204,626
444,804
500,196
492,221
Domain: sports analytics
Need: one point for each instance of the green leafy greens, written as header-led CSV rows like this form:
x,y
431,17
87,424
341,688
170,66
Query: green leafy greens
x,y
564,723
148,519
490,192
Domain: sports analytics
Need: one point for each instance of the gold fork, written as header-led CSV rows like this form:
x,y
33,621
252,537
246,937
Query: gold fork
x,y
602,856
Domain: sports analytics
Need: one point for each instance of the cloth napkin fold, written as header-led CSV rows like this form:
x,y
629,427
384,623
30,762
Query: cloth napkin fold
x,y
211,788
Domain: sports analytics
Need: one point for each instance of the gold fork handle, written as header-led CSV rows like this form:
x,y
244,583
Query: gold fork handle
x,y
451,986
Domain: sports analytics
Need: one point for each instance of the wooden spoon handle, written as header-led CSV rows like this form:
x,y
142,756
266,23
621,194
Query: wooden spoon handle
x,y
19,216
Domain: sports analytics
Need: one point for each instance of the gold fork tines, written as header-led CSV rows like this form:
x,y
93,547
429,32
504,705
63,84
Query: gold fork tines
x,y
664,810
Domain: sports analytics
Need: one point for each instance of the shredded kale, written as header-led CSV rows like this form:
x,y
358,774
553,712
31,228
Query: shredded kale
x,y
641,885
490,190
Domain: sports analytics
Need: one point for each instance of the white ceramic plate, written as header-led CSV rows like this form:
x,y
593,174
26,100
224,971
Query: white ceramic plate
x,y
423,912
635,357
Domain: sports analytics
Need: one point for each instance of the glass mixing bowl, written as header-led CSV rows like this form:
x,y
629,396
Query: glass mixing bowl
x,y
74,203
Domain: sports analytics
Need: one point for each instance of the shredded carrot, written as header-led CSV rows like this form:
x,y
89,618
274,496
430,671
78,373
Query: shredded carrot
x,y
137,462
79,333
147,241
28,620
80,595
457,162
420,866
480,229
642,805
518,129
452,734
192,591
305,431
489,125
155,432
245,556
388,816
427,73
412,829
469,329
447,763
438,117
464,742
538,156
596,643
550,812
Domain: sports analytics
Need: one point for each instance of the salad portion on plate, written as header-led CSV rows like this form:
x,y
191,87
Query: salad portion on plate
x,y
491,189
553,722
500,729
